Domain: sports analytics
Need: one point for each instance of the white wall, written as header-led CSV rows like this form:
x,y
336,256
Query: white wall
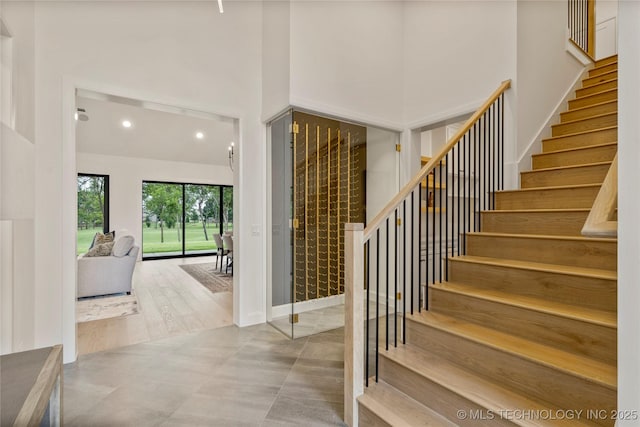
x,y
628,210
346,60
184,54
276,42
456,53
545,69
125,183
382,164
19,17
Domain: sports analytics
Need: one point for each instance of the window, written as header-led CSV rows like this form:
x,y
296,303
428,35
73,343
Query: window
x,y
180,219
93,208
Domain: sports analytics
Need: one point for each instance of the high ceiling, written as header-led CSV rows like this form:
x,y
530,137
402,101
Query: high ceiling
x,y
157,131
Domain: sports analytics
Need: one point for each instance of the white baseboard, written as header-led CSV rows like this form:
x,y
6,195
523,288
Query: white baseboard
x,y
535,146
302,306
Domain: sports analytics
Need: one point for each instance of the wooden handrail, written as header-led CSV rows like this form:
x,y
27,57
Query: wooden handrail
x,y
599,223
435,160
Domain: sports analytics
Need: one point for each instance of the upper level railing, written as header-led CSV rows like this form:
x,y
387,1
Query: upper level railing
x,y
389,264
582,25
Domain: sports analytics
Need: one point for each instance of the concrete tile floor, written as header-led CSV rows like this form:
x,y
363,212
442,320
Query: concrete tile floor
x,y
230,376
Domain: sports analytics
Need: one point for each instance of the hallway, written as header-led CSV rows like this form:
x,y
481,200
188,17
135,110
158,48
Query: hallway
x,y
253,376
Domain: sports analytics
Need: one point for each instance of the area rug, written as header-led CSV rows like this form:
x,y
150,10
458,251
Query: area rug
x,y
88,309
210,277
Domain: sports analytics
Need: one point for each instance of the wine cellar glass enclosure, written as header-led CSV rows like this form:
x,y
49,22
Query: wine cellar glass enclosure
x,y
319,181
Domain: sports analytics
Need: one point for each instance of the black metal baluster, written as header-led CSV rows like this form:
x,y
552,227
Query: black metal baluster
x,y
395,283
468,183
454,172
387,289
491,156
433,235
495,157
404,271
459,177
412,281
463,141
478,176
486,157
420,247
366,322
502,138
440,220
377,297
446,217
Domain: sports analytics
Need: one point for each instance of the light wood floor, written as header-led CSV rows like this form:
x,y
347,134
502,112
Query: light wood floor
x,y
171,303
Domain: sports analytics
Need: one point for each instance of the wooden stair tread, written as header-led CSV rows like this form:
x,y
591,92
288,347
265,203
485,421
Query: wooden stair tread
x,y
545,237
599,104
582,97
568,167
586,119
568,150
606,76
537,210
608,60
482,392
590,315
585,132
398,409
586,368
555,187
595,273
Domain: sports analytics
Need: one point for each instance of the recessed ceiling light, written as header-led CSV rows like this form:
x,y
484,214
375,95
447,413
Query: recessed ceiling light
x,y
126,123
199,135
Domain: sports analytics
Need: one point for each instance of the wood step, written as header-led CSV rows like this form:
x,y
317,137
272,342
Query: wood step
x,y
564,250
582,125
581,139
597,88
608,60
566,175
575,156
587,287
584,331
585,101
383,405
592,80
589,111
561,197
541,372
603,69
458,394
558,222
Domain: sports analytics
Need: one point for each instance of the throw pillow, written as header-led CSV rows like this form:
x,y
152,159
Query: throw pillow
x,y
122,246
103,238
101,249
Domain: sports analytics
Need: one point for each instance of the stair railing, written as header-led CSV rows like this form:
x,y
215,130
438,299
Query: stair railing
x,y
389,264
600,222
582,25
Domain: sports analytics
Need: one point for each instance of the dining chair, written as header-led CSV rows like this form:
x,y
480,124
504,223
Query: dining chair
x,y
228,244
221,252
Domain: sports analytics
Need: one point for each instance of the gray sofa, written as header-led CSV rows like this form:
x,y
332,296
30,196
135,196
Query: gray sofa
x,y
105,275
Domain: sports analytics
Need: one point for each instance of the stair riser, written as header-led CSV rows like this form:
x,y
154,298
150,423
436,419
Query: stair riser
x,y
536,380
583,291
594,174
565,198
549,223
575,157
587,112
613,84
578,253
433,395
600,78
580,140
603,69
570,335
585,125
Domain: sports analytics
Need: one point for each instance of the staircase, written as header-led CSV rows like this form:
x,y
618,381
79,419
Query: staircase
x,y
524,332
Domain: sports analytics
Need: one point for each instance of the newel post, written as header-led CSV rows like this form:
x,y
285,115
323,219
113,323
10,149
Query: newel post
x,y
353,321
